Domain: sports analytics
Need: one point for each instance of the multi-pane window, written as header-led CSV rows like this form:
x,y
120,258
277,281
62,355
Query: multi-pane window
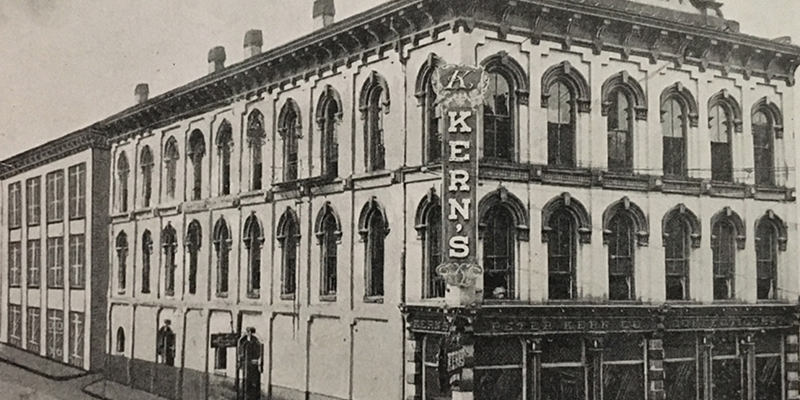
x,y
255,138
720,126
289,132
34,331
434,283
673,132
498,132
55,263
55,196
15,325
222,245
122,261
329,144
723,247
77,261
55,334
197,149
621,258
77,191
430,117
289,236
677,250
564,362
15,205
766,260
498,254
147,252
376,150
76,341
123,170
171,157
561,259
33,200
169,243
253,239
376,233
329,245
194,237
560,126
146,164
15,264
225,148
763,148
499,367
34,263
620,133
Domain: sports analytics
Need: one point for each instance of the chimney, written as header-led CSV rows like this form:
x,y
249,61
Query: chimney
x,y
141,92
216,59
324,11
253,40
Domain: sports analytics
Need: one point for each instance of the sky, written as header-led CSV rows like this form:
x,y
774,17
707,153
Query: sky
x,y
65,64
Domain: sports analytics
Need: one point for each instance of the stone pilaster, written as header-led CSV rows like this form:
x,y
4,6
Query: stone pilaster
x,y
655,366
414,366
792,367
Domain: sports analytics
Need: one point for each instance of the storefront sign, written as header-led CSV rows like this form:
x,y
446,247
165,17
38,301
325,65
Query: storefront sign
x,y
224,340
460,92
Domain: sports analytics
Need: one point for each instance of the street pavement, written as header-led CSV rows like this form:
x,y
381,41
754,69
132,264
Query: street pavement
x,y
18,384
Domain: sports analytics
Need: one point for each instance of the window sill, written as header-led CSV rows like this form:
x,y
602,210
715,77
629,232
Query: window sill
x,y
222,295
77,217
373,299
288,296
254,295
15,286
77,288
34,287
30,225
330,298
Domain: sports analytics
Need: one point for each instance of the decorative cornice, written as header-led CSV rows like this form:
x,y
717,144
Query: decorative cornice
x,y
62,147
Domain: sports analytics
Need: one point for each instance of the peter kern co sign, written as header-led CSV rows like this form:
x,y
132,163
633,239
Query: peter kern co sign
x,y
459,90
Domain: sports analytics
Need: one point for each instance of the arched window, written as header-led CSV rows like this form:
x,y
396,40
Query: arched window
x,y
146,162
255,139
724,116
222,245
225,148
770,238
122,260
723,247
194,238
197,149
764,156
681,232
678,112
120,340
169,244
621,284
147,251
290,131
123,170
329,115
430,117
498,131
328,232
288,236
623,103
565,222
565,92
428,224
373,227
171,157
503,221
374,103
253,240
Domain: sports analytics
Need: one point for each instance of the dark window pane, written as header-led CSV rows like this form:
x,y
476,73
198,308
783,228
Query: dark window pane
x,y
498,139
723,247
680,379
620,142
763,149
494,351
561,256
498,384
677,259
566,383
727,382
624,382
620,259
768,378
623,347
562,348
498,252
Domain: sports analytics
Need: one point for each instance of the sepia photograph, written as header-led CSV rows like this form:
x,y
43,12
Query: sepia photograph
x,y
399,200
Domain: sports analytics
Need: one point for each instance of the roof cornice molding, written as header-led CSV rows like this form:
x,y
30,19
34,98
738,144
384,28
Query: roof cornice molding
x,y
62,147
396,25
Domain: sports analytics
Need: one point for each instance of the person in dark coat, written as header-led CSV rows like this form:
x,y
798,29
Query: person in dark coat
x,y
251,361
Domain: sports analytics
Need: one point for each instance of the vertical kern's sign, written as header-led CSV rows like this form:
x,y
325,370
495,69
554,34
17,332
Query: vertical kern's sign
x,y
459,90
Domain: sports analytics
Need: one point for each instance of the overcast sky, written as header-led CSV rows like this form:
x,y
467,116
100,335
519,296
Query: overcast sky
x,y
65,64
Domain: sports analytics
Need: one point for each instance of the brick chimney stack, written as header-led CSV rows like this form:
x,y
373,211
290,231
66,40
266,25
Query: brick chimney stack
x,y
253,40
216,59
141,93
324,11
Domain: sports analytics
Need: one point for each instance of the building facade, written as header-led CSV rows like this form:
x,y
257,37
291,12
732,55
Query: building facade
x,y
54,239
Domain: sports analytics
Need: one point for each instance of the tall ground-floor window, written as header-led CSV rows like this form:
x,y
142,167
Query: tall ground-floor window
x,y
55,334
76,327
499,366
563,368
623,367
15,325
34,329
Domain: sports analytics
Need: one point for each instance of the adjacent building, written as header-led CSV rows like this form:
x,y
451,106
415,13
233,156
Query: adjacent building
x,y
54,242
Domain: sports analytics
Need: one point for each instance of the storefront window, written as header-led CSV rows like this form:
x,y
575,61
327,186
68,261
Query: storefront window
x,y
623,367
498,368
680,365
727,367
563,368
437,385
768,366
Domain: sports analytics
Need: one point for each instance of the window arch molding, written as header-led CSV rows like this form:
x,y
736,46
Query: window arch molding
x,y
727,214
728,103
221,227
319,224
289,216
194,235
253,225
255,126
773,112
778,224
328,94
197,144
685,98
289,107
502,197
425,75
430,200
509,67
575,208
564,72
374,79
372,206
684,213
624,82
224,134
635,213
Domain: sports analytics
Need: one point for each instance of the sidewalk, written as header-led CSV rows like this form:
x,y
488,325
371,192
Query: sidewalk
x,y
110,390
39,365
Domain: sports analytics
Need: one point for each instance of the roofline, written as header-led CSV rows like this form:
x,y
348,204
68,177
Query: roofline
x,y
56,149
